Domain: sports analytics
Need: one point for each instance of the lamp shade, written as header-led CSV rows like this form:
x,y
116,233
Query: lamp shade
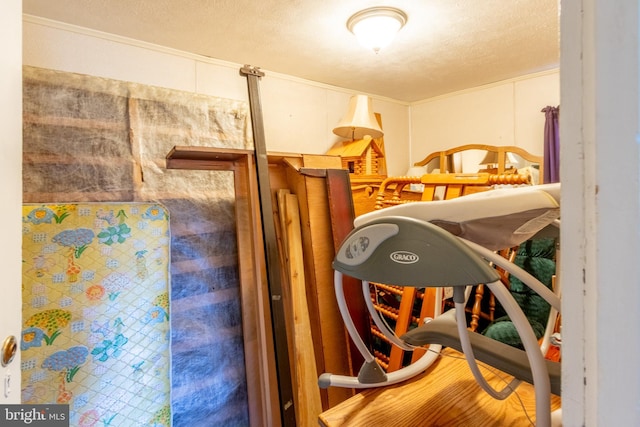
x,y
491,158
512,160
359,120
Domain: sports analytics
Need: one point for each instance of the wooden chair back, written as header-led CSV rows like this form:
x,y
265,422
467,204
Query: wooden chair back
x,y
407,306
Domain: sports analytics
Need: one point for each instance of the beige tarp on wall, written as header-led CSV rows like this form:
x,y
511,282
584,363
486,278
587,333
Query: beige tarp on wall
x,y
100,140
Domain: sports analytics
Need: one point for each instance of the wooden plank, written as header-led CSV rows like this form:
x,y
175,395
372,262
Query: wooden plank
x,y
405,312
210,154
453,191
451,178
296,183
262,378
341,207
283,247
342,214
308,405
329,335
321,161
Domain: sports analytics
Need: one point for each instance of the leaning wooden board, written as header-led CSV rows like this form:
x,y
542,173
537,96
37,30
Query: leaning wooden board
x,y
329,335
305,385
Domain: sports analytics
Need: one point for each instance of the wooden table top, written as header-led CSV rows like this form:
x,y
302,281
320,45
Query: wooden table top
x,y
444,395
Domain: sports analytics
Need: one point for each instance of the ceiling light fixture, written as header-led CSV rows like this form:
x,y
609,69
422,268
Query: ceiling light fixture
x,y
376,27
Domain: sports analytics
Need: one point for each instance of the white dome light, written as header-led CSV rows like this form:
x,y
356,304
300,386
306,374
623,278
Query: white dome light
x,y
376,27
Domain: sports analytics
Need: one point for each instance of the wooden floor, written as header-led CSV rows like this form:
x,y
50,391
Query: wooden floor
x,y
445,395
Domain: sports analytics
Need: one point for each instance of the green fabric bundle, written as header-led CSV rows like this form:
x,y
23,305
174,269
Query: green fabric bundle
x,y
537,257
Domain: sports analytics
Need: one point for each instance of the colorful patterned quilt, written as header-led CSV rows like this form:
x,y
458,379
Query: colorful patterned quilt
x,y
96,311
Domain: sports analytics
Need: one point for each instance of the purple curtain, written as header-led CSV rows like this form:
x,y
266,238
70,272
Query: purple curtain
x,y
551,145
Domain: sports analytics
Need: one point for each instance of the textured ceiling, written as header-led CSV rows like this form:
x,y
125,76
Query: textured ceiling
x,y
446,45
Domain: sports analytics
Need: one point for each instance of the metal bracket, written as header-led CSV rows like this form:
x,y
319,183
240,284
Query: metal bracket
x,y
249,70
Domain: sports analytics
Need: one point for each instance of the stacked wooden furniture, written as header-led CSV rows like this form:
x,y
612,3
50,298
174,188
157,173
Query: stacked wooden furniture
x,y
308,179
369,192
365,160
405,308
426,399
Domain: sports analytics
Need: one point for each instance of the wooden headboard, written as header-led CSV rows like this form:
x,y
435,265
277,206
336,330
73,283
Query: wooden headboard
x,y
448,160
372,193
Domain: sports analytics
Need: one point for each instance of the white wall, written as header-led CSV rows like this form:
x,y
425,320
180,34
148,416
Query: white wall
x,y
505,113
299,115
11,178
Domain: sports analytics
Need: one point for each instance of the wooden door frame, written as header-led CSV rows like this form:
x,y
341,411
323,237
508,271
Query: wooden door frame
x,y
261,374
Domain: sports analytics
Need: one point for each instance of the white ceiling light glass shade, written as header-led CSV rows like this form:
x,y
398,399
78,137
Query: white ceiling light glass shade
x,y
376,27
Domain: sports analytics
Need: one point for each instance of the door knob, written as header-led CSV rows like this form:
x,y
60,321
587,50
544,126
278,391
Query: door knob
x,y
9,350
